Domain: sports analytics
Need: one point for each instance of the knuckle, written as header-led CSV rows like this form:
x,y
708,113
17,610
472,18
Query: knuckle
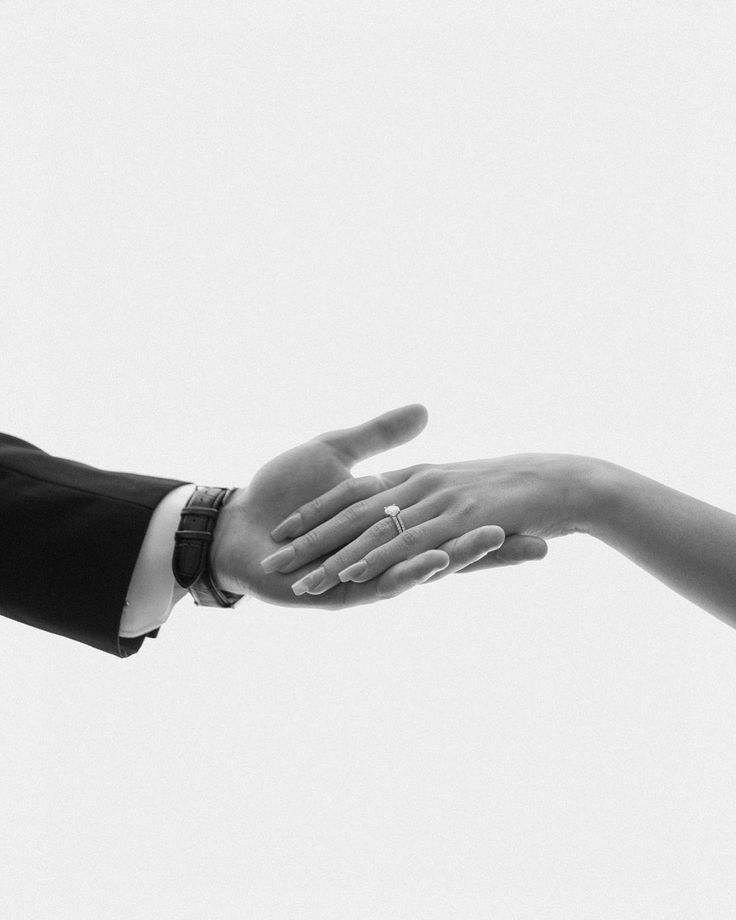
x,y
385,528
432,478
309,540
314,508
444,497
378,534
355,513
353,486
410,539
376,560
338,562
428,477
463,506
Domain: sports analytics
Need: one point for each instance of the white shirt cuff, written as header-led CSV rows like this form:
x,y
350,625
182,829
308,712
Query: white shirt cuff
x,y
153,591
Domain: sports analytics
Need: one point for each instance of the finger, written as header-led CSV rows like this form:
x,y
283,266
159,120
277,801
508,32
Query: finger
x,y
324,507
407,574
399,578
347,527
471,546
364,521
378,548
485,546
516,549
521,547
412,542
381,433
422,569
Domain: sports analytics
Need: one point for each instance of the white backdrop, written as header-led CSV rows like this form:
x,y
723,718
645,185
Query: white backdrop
x,y
227,227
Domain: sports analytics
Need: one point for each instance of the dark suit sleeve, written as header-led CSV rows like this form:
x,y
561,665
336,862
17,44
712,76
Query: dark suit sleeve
x,y
69,540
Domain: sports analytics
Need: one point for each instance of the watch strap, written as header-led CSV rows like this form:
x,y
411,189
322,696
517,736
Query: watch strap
x,y
192,543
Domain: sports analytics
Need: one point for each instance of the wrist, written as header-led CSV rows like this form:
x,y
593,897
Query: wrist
x,y
592,486
192,558
224,542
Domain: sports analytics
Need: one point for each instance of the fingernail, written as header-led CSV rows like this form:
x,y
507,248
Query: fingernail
x,y
310,580
288,528
353,571
277,559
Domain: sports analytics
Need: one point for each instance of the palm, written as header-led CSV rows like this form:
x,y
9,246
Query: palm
x,y
280,486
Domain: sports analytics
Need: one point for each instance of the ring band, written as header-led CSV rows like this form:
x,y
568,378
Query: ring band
x,y
395,514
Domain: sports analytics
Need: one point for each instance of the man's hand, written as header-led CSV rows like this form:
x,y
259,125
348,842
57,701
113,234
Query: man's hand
x,y
243,533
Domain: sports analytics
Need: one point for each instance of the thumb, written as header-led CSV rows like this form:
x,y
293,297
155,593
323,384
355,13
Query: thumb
x,y
381,433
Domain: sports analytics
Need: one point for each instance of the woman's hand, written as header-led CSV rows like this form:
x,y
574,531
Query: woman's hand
x,y
462,509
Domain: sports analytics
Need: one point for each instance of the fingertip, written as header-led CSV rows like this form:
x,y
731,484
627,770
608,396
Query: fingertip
x,y
437,556
495,534
535,547
423,577
422,413
522,548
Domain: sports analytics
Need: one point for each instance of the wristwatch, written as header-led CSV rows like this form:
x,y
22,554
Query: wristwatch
x,y
192,543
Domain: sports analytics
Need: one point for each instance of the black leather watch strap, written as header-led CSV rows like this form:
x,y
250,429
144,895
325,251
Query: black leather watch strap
x,y
192,543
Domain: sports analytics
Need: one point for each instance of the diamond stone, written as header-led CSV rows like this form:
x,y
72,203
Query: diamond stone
x,y
393,510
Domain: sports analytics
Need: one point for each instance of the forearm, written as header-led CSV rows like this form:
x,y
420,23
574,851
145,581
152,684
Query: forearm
x,y
686,543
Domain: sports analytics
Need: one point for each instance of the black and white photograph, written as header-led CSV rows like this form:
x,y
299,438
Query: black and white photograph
x,y
367,460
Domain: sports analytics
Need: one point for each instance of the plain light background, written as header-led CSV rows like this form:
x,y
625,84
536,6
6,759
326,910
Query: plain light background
x,y
227,227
